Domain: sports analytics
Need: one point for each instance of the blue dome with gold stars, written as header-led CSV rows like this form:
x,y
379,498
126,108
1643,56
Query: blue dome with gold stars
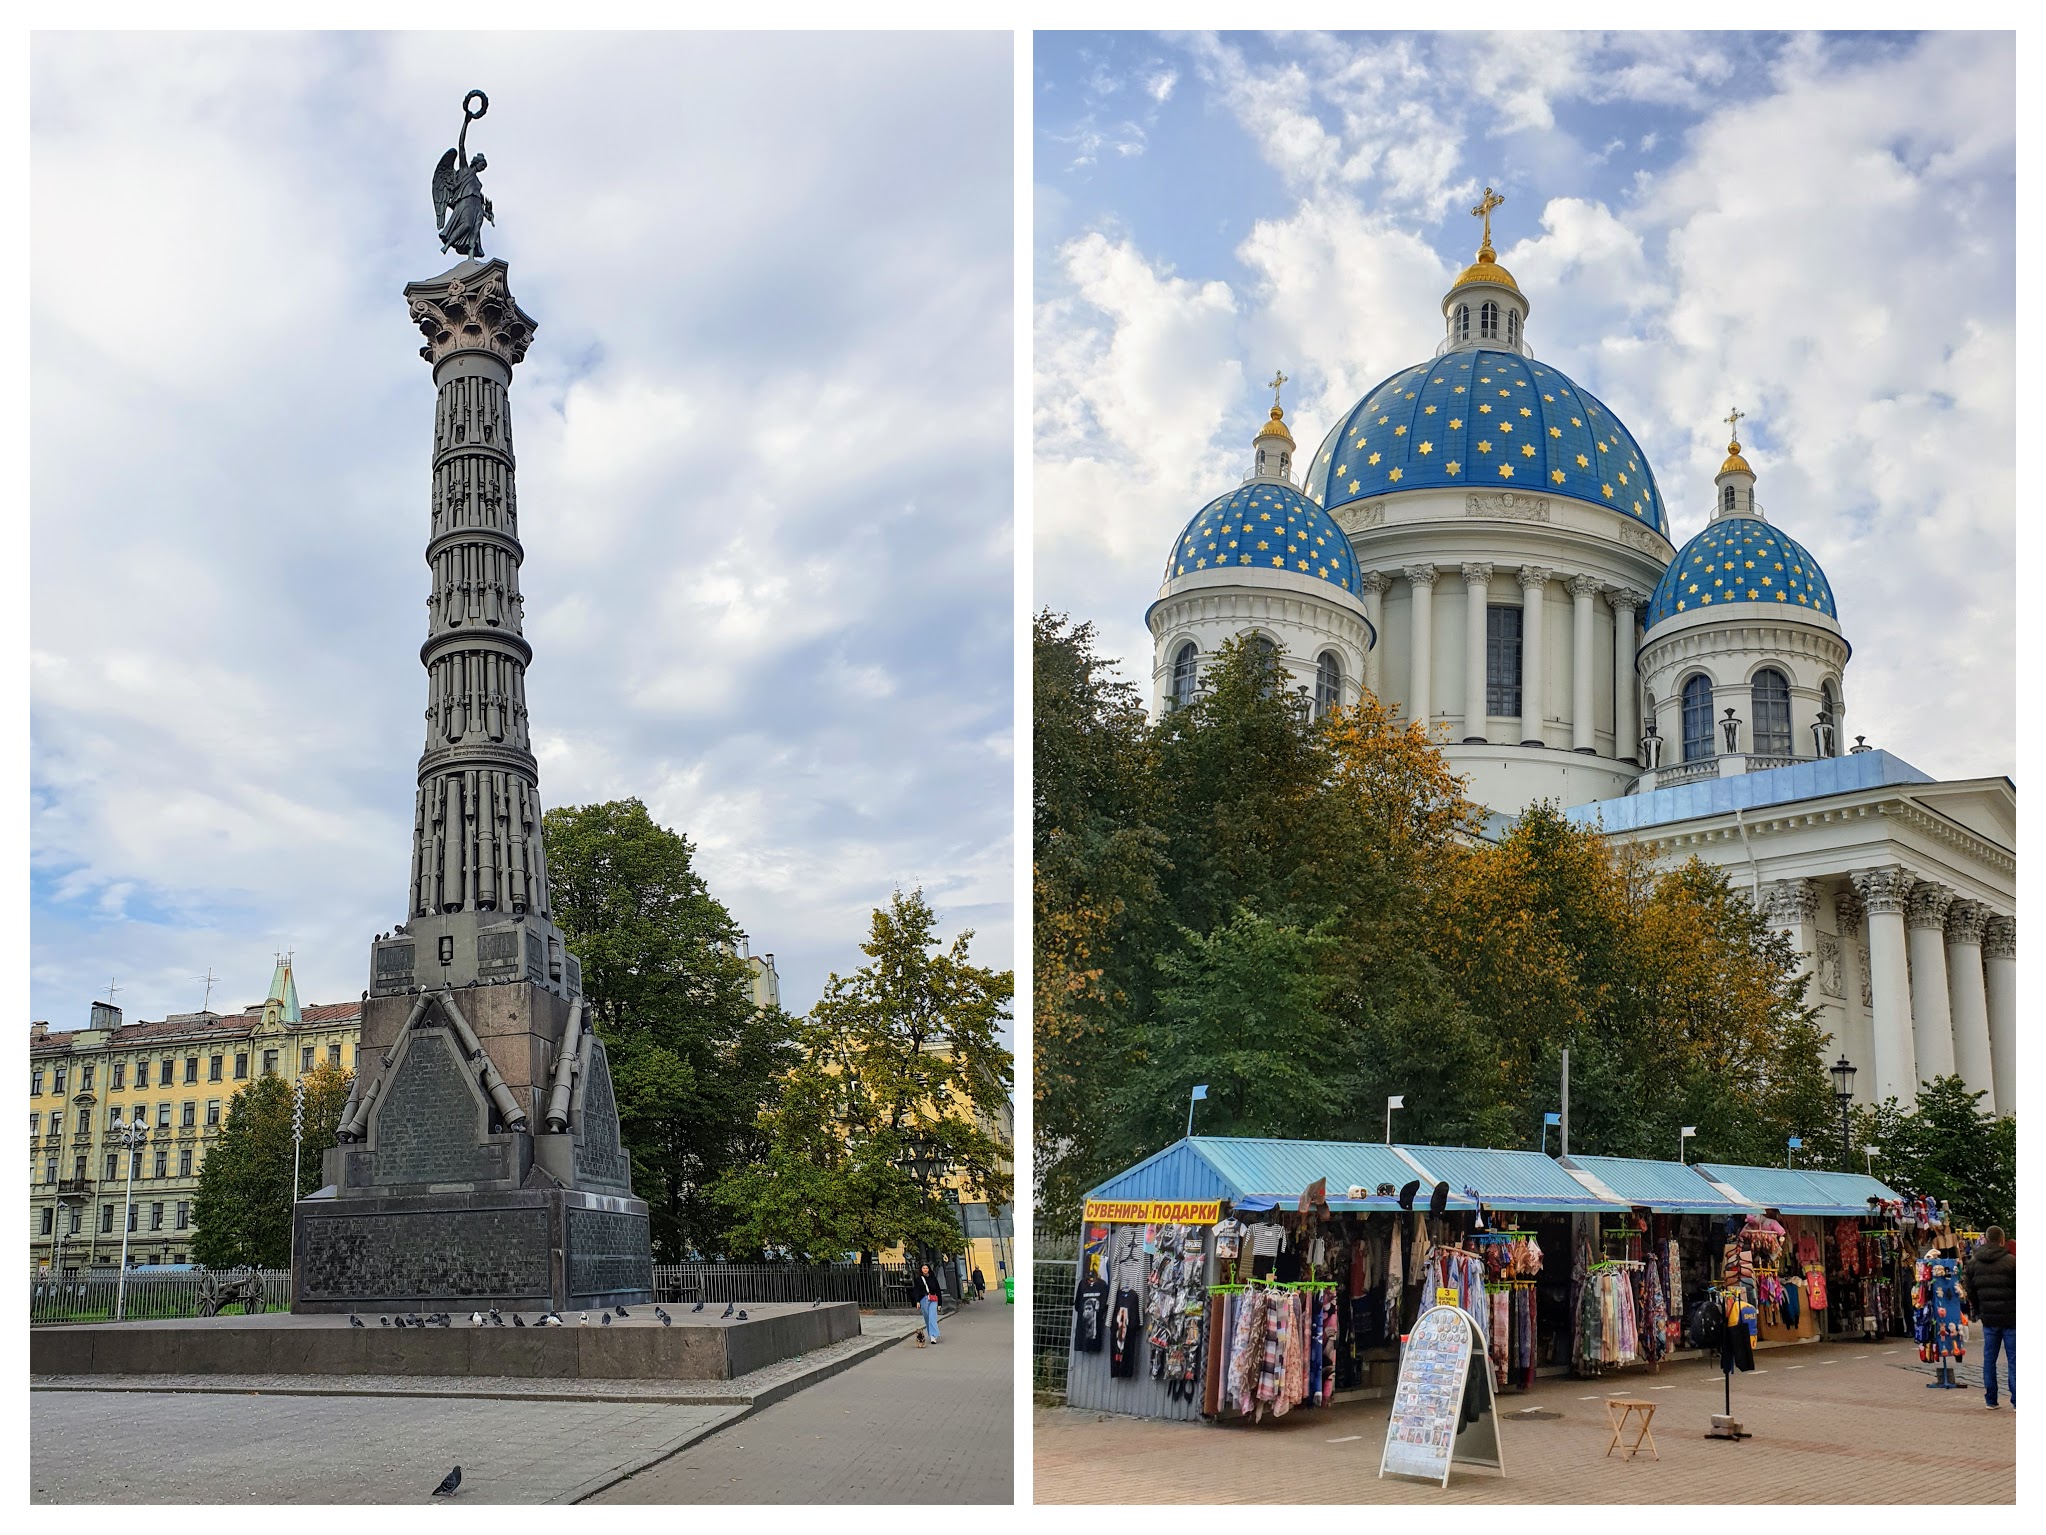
x,y
1478,417
1741,559
1265,525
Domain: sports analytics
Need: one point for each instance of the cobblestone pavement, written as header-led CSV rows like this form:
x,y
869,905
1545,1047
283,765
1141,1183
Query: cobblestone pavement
x,y
146,1447
909,1425
212,1439
1832,1423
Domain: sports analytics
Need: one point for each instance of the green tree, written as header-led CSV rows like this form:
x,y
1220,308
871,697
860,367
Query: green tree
x,y
911,1049
242,1210
693,1062
1946,1146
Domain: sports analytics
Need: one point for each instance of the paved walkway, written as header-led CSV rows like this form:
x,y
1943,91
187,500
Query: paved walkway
x,y
910,1425
1833,1423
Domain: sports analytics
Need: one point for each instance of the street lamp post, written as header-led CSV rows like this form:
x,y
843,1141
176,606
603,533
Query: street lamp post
x,y
297,1135
919,1160
1843,1093
131,1138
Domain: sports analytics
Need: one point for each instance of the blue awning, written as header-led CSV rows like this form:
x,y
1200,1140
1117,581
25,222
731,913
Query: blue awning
x,y
1668,1188
1793,1191
1508,1180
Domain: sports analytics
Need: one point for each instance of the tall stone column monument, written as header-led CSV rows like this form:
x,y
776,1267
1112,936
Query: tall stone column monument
x,y
480,1162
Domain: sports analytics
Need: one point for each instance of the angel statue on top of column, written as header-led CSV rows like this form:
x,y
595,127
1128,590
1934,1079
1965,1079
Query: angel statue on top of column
x,y
459,207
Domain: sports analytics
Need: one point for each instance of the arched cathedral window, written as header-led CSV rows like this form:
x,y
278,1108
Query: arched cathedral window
x,y
1726,498
1512,328
1488,321
1328,683
1463,322
1769,696
1183,675
1698,718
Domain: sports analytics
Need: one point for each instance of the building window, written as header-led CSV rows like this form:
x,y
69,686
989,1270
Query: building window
x,y
1463,322
1698,718
334,1056
269,1063
78,1167
113,1165
62,1073
1488,321
191,1068
1829,716
213,1068
1726,498
305,1058
241,1065
132,1209
49,1220
1328,683
106,1219
1769,698
56,1127
35,1125
50,1170
188,1116
1183,674
77,1217
185,1163
166,1069
35,1082
120,1075
1513,327
156,1216
163,1116
114,1117
358,1053
212,1112
135,1164
162,1162
1502,662
85,1078
184,1213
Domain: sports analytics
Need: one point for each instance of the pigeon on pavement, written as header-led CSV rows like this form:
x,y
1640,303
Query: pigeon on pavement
x,y
607,1319
475,1319
666,1320
518,1320
697,1307
585,1321
816,1303
623,1312
730,1307
742,1316
385,1320
661,1315
354,1320
448,1484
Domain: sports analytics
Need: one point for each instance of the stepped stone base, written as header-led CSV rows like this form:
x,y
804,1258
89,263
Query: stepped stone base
x,y
697,1347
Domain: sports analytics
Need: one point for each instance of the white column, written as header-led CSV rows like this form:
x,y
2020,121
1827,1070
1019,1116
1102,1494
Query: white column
x,y
1421,579
1477,588
2000,982
1968,1001
1626,686
1793,904
1883,893
1858,1042
1371,585
1534,581
1932,1025
1582,714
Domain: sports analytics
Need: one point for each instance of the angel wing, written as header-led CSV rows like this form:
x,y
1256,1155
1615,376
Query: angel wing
x,y
443,188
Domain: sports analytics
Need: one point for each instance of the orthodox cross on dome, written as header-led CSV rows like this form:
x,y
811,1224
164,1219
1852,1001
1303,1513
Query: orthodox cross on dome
x,y
1278,381
1483,210
1733,424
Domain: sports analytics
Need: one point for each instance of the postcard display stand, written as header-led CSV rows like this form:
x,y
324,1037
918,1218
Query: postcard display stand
x,y
1421,1437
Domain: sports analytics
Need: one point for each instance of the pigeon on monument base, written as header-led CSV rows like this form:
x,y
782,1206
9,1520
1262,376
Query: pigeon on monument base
x,y
730,1307
448,1484
697,1307
517,1320
354,1320
607,1319
585,1321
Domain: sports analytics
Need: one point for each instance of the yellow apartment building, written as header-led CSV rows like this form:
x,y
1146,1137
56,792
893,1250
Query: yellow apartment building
x,y
176,1076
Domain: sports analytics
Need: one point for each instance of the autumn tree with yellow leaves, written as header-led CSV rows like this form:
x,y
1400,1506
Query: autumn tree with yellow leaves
x,y
1307,916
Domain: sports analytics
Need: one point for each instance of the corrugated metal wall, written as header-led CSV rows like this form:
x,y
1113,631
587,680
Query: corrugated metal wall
x,y
1088,1383
1177,1172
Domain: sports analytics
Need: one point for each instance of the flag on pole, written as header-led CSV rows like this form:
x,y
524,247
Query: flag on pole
x,y
1200,1092
1397,1101
1552,1119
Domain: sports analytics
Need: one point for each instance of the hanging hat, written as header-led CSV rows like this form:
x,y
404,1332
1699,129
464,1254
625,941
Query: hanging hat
x,y
1439,1200
1385,1191
1407,1192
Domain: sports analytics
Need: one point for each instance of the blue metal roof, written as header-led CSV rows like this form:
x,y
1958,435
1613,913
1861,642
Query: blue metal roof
x,y
1741,560
1795,1192
1265,525
1238,1168
1672,1188
1749,791
1512,1180
1488,420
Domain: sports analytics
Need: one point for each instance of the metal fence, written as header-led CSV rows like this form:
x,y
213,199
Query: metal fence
x,y
89,1297
1052,1283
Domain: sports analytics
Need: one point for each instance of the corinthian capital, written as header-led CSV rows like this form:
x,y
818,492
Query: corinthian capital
x,y
1476,574
1848,912
1928,905
1883,892
1376,582
1421,575
1793,901
1533,576
1585,586
1964,922
2000,938
476,313
1625,599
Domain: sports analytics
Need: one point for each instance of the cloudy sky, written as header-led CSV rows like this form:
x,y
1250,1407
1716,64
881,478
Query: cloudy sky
x,y
1818,229
764,460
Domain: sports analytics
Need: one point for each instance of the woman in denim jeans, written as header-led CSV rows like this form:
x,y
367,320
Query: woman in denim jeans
x,y
925,1288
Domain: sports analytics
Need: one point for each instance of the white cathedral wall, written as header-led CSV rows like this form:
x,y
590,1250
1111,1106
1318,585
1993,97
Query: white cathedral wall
x,y
1302,616
1730,646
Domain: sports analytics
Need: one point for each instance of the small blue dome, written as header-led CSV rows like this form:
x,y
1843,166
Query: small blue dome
x,y
1265,525
1741,559
1485,418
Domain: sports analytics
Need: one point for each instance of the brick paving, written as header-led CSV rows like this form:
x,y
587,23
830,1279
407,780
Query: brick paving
x,y
909,1425
1833,1423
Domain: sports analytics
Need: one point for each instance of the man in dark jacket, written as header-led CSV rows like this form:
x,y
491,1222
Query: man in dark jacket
x,y
1992,1280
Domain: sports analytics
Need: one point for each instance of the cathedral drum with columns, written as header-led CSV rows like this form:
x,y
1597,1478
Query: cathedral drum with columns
x,y
1482,543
